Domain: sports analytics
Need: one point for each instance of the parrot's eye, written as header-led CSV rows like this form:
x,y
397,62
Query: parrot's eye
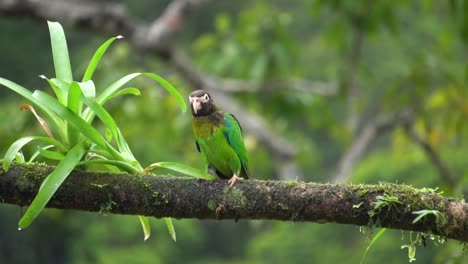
x,y
206,97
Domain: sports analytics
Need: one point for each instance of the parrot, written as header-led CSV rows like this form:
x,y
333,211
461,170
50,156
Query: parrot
x,y
218,137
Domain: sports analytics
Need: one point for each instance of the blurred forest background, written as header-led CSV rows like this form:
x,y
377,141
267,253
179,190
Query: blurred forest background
x,y
350,91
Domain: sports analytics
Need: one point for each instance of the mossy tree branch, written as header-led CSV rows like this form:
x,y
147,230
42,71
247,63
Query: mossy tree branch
x,y
178,197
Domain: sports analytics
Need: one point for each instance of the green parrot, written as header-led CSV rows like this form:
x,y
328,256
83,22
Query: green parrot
x,y
218,137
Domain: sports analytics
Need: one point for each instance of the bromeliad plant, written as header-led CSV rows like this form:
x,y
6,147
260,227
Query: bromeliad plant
x,y
67,120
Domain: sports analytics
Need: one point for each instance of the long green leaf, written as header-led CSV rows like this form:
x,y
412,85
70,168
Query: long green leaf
x,y
74,98
75,105
111,91
107,94
420,216
72,118
52,183
169,88
123,145
181,168
110,153
170,228
129,90
113,129
60,52
63,86
114,87
103,115
60,91
97,57
374,239
125,166
20,143
108,120
57,124
14,148
88,89
20,157
35,154
52,155
146,226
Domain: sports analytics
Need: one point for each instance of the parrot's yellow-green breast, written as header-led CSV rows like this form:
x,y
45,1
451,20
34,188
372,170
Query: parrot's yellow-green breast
x,y
219,139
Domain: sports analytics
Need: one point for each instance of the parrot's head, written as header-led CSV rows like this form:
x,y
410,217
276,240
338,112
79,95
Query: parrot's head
x,y
201,103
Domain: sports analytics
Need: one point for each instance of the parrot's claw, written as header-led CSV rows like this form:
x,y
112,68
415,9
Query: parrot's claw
x,y
233,180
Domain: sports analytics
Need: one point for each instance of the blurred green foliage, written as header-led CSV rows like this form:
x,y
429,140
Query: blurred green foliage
x,y
414,57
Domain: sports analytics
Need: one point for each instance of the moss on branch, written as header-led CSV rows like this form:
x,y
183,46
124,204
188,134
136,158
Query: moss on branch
x,y
386,205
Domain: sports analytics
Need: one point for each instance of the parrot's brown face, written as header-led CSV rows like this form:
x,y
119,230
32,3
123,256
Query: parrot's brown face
x,y
201,103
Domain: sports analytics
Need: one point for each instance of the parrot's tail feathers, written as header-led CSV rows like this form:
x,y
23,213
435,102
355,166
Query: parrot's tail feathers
x,y
244,173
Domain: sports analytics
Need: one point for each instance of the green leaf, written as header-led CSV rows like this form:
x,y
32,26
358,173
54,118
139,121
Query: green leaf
x,y
97,57
63,86
169,88
111,91
181,168
374,239
107,94
129,90
60,52
18,89
53,155
52,183
75,105
108,120
103,115
74,98
72,118
34,156
19,157
88,89
49,115
420,216
20,143
146,226
125,166
108,135
61,91
440,218
170,228
123,146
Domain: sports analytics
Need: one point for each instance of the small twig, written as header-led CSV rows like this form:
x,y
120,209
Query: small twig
x,y
431,154
363,140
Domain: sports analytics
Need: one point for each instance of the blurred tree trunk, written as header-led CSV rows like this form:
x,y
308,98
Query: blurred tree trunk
x,y
385,205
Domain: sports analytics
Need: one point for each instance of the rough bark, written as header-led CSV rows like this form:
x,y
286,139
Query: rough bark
x,y
178,197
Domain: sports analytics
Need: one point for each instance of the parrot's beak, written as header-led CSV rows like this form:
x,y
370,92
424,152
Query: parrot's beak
x,y
196,104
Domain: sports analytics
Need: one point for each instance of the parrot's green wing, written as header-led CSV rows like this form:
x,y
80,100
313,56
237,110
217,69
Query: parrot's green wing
x,y
233,133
